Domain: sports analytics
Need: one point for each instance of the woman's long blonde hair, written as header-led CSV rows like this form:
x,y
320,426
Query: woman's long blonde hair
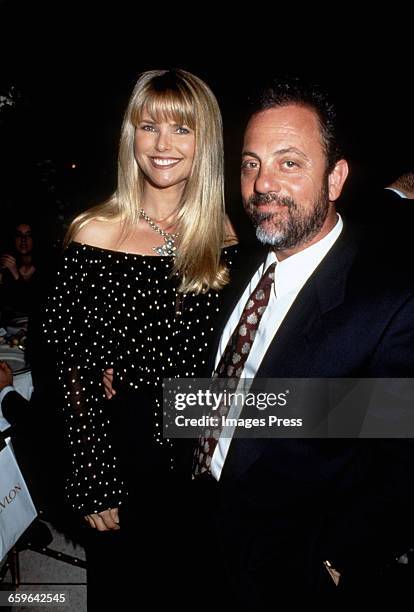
x,y
184,98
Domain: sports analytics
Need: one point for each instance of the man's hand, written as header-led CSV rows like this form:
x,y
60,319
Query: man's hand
x,y
6,375
108,379
9,262
107,520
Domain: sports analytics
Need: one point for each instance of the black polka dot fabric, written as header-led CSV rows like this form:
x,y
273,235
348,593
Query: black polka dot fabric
x,y
120,310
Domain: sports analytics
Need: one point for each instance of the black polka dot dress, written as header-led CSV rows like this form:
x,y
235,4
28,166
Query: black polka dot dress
x,y
121,310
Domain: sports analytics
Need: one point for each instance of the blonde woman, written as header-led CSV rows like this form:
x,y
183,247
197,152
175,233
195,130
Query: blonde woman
x,y
139,291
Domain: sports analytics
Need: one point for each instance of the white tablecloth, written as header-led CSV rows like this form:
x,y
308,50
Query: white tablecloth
x,y
23,383
22,378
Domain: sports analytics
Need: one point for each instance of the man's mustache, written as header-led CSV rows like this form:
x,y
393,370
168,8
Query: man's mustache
x,y
269,198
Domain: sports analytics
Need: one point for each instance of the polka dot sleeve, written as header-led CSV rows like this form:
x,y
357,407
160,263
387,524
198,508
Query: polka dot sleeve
x,y
82,341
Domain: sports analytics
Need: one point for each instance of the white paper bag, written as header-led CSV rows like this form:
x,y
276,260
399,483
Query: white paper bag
x,y
17,510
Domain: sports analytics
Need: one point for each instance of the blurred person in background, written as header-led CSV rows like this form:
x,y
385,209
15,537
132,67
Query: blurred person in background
x,y
18,274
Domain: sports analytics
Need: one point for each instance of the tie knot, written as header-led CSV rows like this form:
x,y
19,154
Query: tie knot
x,y
265,281
271,270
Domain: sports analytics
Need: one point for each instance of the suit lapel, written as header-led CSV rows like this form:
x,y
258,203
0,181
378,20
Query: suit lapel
x,y
291,353
246,264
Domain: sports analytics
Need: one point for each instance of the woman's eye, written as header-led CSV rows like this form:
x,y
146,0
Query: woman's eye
x,y
148,128
182,130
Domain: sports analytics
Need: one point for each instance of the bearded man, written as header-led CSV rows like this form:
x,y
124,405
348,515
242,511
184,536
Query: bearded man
x,y
302,518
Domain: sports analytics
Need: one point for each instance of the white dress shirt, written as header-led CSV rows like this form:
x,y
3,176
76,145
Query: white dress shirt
x,y
290,276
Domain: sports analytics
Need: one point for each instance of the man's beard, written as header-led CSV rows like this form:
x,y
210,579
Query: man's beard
x,y
290,230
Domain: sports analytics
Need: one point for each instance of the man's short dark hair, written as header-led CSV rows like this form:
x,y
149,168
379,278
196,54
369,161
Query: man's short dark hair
x,y
284,91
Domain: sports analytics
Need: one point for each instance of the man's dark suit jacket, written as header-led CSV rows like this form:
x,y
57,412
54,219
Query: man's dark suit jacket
x,y
286,505
388,221
24,434
14,407
36,436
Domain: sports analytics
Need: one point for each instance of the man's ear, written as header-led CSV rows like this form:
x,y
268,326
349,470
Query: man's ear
x,y
337,179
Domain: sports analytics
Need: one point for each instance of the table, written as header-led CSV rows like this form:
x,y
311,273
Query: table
x,y
22,377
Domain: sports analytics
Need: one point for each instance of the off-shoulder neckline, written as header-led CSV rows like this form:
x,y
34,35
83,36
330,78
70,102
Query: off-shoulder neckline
x,y
128,253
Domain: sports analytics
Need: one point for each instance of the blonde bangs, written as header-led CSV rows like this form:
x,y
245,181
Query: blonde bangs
x,y
165,106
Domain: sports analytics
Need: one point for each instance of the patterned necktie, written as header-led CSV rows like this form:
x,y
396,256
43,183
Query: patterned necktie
x,y
233,360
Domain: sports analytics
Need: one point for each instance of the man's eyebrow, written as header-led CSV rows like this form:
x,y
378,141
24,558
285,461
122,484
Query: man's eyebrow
x,y
291,150
250,154
278,152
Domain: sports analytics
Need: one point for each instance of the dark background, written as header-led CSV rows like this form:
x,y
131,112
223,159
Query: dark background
x,y
73,66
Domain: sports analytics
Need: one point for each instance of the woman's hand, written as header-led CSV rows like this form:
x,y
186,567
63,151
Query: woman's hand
x,y
9,262
107,520
108,379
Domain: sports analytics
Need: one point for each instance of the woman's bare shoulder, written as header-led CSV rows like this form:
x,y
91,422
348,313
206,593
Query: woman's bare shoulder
x,y
98,232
